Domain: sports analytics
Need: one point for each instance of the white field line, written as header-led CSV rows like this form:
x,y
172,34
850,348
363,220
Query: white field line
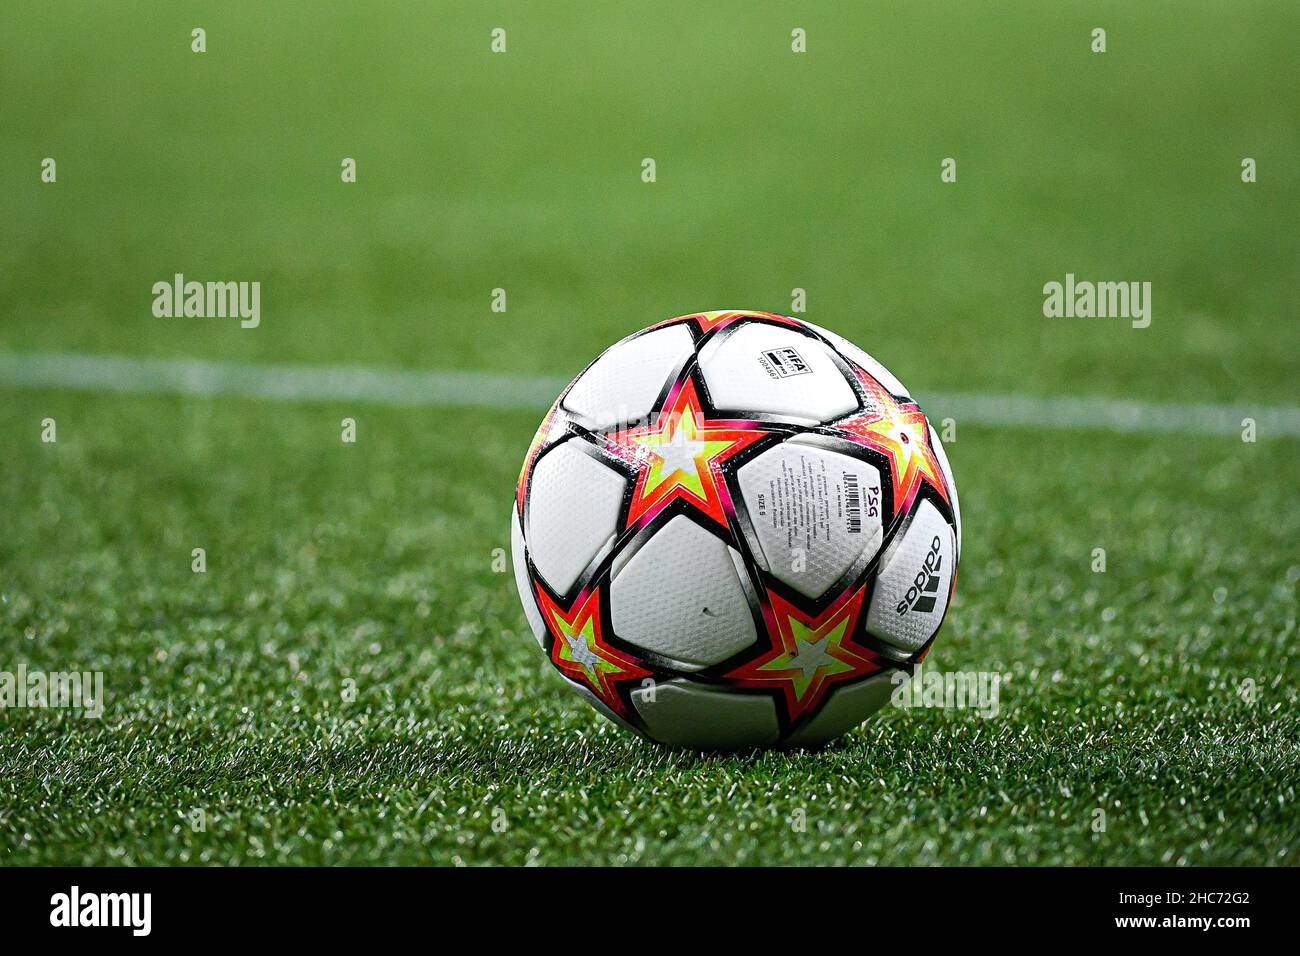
x,y
121,373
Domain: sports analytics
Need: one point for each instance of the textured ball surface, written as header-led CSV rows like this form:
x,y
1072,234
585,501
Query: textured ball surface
x,y
735,530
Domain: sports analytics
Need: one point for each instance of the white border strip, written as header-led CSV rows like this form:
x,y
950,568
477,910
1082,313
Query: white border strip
x,y
1115,415
121,373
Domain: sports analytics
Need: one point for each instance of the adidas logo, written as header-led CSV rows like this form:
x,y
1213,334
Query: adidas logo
x,y
925,587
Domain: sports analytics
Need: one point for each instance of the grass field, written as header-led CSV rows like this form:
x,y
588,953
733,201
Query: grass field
x,y
371,566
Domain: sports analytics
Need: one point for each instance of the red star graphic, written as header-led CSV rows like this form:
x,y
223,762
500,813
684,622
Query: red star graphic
x,y
708,321
580,652
680,456
898,430
809,655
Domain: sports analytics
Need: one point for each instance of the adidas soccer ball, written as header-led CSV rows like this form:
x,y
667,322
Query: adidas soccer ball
x,y
735,530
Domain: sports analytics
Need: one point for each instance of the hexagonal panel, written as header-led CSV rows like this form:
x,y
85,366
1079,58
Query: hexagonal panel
x,y
573,509
769,369
522,584
864,361
911,592
816,513
680,597
623,385
683,714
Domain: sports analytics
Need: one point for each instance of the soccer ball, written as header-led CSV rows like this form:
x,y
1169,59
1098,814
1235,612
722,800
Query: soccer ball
x,y
735,530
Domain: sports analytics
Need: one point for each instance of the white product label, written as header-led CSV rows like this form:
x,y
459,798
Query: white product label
x,y
807,498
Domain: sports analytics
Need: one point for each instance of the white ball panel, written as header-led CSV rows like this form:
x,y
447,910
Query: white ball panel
x,y
682,714
573,509
679,597
522,584
861,358
847,707
623,385
911,591
803,498
775,370
946,468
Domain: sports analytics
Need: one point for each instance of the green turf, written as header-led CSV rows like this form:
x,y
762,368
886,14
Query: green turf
x,y
374,562
775,171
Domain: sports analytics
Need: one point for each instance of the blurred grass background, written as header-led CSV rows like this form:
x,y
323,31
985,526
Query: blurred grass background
x,y
775,171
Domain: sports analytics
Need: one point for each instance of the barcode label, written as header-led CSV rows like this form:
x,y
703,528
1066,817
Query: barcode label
x,y
852,503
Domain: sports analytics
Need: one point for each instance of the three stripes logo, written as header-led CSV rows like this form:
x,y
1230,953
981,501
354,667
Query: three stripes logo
x,y
924,590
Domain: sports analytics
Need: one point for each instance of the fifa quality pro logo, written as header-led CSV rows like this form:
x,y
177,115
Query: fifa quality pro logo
x,y
925,586
782,363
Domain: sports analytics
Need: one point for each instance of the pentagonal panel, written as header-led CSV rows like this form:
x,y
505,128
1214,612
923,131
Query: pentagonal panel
x,y
522,584
860,358
680,597
847,707
622,385
683,714
911,592
816,513
946,468
775,370
573,509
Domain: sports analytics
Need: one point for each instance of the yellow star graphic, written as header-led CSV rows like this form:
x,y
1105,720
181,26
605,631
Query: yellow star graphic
x,y
809,654
678,456
580,651
809,661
